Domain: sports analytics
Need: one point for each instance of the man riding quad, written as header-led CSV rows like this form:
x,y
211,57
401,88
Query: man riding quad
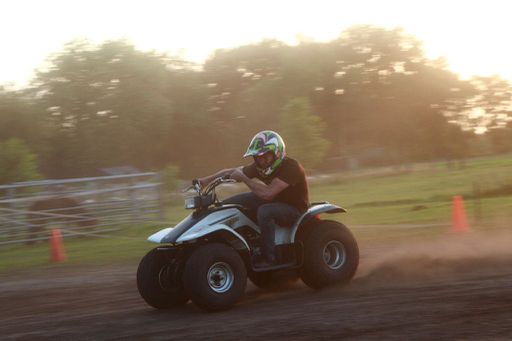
x,y
281,195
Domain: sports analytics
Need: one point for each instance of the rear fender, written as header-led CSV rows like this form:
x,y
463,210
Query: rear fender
x,y
313,211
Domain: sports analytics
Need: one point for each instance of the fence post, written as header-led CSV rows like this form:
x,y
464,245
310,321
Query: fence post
x,y
477,202
134,201
11,194
160,190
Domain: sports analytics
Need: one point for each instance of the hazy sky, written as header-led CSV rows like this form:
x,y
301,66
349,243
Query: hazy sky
x,y
473,35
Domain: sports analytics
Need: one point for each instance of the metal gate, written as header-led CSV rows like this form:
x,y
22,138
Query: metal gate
x,y
78,206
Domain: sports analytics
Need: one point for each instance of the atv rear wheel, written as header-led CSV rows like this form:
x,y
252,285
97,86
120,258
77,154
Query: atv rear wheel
x,y
331,255
215,277
159,282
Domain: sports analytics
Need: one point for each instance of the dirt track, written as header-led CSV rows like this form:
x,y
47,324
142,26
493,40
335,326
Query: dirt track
x,y
455,289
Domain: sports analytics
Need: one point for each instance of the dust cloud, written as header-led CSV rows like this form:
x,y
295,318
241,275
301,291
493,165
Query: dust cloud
x,y
438,259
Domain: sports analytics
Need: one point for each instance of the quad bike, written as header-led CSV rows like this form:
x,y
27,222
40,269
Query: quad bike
x,y
208,256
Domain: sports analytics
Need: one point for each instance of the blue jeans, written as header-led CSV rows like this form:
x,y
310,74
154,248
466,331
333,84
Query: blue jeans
x,y
268,214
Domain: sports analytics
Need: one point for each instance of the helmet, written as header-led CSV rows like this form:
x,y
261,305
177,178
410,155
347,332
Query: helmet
x,y
267,141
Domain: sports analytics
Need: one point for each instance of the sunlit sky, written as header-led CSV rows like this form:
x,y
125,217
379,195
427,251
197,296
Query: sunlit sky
x,y
473,35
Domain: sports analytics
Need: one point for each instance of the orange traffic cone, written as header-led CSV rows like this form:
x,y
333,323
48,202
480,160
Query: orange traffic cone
x,y
459,220
57,252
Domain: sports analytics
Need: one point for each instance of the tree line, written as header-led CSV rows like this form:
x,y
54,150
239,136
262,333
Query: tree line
x,y
369,97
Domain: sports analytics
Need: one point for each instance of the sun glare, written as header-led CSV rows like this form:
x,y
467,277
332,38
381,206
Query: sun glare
x,y
471,35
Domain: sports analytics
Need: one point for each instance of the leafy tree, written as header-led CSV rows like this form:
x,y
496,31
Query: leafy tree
x,y
383,93
302,131
489,107
19,119
501,138
243,94
250,85
17,162
107,106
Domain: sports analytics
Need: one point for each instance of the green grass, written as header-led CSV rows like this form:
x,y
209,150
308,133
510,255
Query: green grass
x,y
420,194
125,245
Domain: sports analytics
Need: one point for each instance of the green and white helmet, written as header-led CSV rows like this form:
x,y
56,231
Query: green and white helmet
x,y
267,141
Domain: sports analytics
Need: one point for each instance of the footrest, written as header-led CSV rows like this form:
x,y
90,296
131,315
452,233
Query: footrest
x,y
275,267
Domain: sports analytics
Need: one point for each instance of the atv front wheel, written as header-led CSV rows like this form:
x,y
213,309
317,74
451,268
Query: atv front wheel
x,y
215,277
158,280
331,255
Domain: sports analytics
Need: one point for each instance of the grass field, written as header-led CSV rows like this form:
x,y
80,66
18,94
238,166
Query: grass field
x,y
418,194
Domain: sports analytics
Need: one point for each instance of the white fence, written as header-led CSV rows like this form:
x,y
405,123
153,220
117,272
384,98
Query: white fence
x,y
77,206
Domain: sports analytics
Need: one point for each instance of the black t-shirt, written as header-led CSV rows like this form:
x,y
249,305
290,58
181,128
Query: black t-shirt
x,y
291,172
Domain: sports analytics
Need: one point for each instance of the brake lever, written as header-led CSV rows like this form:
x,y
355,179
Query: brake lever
x,y
187,189
196,185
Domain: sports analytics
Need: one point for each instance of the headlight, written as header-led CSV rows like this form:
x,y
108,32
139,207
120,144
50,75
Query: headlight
x,y
190,203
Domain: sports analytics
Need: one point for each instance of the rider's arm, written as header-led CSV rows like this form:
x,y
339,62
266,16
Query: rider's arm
x,y
264,191
207,179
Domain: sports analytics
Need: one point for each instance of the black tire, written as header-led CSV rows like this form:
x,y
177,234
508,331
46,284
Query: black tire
x,y
331,255
274,280
159,281
215,277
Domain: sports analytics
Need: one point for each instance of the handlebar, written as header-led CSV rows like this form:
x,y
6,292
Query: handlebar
x,y
196,185
216,182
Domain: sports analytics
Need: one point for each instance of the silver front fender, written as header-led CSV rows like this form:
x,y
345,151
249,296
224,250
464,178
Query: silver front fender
x,y
204,230
159,236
